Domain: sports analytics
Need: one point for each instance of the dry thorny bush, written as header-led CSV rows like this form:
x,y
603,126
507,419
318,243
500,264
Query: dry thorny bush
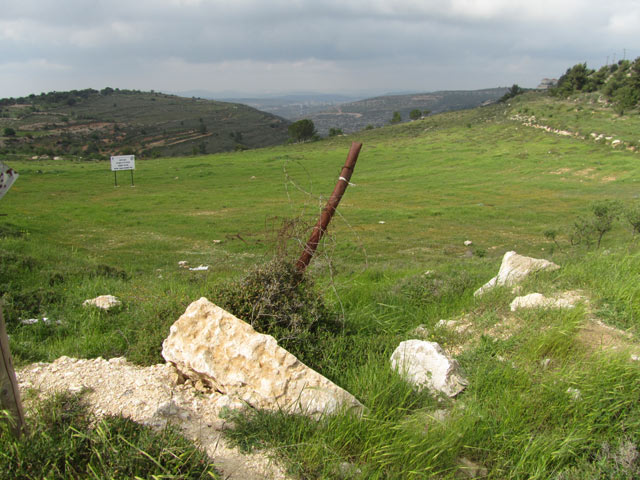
x,y
278,300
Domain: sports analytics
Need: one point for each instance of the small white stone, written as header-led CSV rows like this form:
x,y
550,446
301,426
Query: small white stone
x,y
575,393
468,243
200,268
104,302
425,364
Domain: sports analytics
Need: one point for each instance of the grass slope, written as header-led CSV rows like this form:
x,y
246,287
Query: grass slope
x,y
146,123
478,175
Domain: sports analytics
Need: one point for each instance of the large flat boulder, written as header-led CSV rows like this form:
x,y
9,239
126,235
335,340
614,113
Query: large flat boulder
x,y
210,345
513,269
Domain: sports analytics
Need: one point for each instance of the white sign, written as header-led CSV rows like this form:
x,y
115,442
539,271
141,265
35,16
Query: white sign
x,y
7,177
123,162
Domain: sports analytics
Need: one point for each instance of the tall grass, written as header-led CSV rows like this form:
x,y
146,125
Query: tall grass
x,y
64,442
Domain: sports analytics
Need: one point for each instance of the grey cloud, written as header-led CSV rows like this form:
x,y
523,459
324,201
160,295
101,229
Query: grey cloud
x,y
410,35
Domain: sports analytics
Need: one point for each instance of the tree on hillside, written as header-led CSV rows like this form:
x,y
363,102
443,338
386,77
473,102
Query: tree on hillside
x,y
415,114
397,118
574,80
334,131
9,132
513,91
302,130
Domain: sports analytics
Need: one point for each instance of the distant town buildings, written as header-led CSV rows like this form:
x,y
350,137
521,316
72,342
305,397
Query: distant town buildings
x,y
547,83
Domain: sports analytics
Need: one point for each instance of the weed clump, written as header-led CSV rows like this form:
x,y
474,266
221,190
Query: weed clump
x,y
108,271
8,230
278,300
434,287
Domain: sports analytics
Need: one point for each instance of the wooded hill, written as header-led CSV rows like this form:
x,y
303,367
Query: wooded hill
x,y
619,82
96,124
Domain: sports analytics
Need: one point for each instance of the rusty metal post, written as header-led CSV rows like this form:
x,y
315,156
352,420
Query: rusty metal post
x,y
330,208
9,392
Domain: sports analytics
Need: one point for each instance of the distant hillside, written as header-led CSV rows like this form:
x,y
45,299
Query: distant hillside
x,y
378,111
107,122
293,107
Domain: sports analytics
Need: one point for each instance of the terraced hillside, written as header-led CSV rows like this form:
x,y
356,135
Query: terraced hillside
x,y
89,123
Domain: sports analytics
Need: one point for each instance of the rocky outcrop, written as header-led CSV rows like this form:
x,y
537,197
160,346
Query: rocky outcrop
x,y
105,302
210,345
537,300
515,268
425,364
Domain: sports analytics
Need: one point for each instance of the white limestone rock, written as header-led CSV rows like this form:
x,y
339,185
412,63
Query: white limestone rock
x,y
211,345
515,268
537,300
425,364
105,302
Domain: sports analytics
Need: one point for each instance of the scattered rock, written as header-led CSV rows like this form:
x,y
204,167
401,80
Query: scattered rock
x,y
33,321
211,345
382,222
455,325
183,264
105,302
574,393
469,469
440,415
420,331
200,268
347,470
545,363
217,241
537,300
425,364
515,268
468,243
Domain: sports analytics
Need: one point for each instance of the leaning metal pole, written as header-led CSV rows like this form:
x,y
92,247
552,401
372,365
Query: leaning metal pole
x,y
328,211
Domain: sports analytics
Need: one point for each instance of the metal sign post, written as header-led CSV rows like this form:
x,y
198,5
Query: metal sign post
x,y
7,177
330,208
9,391
122,162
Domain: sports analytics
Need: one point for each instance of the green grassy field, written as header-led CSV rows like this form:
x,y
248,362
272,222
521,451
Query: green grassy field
x,y
421,189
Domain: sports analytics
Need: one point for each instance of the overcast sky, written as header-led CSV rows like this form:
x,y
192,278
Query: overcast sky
x,y
331,46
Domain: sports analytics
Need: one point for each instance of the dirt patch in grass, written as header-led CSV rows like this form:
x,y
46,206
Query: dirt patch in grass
x,y
560,171
586,172
149,395
595,335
